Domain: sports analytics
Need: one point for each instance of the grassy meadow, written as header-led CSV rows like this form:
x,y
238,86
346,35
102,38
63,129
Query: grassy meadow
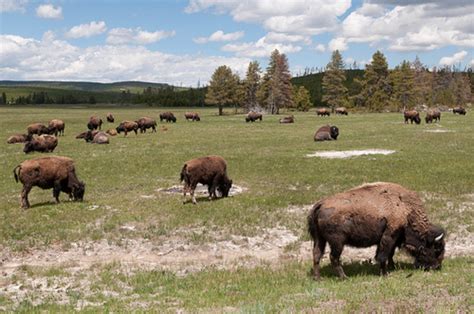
x,y
266,158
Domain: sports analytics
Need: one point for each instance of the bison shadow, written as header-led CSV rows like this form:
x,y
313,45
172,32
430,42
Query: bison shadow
x,y
53,203
365,268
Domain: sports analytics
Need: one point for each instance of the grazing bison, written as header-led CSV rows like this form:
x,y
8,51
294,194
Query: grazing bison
x,y
433,115
56,127
53,172
37,128
146,123
253,116
412,115
111,132
323,112
193,116
94,123
110,117
127,126
326,133
18,138
289,119
383,214
341,111
210,171
459,110
43,144
167,116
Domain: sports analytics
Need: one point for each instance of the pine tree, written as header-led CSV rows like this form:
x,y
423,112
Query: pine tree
x,y
421,82
301,98
461,89
251,85
222,88
334,91
376,88
401,78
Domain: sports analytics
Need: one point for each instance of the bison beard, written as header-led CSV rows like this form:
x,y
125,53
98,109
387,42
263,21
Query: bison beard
x,y
382,214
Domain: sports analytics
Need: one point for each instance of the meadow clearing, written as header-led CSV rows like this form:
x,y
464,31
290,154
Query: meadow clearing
x,y
133,246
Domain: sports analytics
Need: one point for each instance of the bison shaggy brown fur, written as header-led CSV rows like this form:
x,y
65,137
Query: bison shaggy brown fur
x,y
433,115
288,119
193,116
412,115
342,111
18,138
94,123
96,137
326,133
383,214
127,126
43,144
210,171
146,123
56,127
110,117
167,116
37,128
253,116
323,112
111,132
53,172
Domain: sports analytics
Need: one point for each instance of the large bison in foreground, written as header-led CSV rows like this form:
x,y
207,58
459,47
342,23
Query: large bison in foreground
x,y
326,133
54,172
412,115
383,214
210,171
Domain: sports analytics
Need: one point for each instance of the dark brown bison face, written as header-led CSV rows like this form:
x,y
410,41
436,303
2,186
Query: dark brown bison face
x,y
224,187
197,118
173,118
417,120
334,132
78,190
428,251
88,137
29,147
120,128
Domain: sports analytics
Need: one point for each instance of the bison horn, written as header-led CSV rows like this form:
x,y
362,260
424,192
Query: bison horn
x,y
439,237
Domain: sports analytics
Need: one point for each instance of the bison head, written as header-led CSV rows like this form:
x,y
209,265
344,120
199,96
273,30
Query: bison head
x,y
78,190
120,128
427,249
88,136
417,119
334,132
224,187
173,118
197,118
29,147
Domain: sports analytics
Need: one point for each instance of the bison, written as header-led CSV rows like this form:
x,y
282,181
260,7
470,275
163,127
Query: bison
x,y
459,110
96,137
383,214
323,112
18,138
342,111
288,119
53,172
56,127
111,132
146,123
167,116
127,126
43,143
210,171
412,115
84,134
433,114
37,128
193,116
94,123
253,116
326,133
110,117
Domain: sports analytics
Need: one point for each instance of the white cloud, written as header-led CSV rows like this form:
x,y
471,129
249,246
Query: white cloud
x,y
219,36
338,44
52,59
320,48
13,5
87,30
259,49
121,36
273,37
307,17
456,58
49,11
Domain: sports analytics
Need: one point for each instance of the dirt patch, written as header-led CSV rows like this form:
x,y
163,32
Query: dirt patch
x,y
202,190
350,153
438,131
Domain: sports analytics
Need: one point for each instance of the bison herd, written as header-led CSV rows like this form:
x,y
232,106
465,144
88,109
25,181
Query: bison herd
x,y
383,214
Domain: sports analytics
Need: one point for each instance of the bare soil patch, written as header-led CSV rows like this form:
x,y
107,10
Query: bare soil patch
x,y
350,153
201,190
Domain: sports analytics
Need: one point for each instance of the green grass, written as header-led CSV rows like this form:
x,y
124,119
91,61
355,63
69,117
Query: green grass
x,y
269,160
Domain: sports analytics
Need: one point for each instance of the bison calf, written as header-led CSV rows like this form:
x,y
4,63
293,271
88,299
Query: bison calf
x,y
53,172
383,214
43,144
326,133
210,171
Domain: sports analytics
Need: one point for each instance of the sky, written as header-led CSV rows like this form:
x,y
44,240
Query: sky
x,y
182,42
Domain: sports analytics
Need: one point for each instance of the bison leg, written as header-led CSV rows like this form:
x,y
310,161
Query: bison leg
x,y
24,196
336,251
125,133
385,250
318,252
56,191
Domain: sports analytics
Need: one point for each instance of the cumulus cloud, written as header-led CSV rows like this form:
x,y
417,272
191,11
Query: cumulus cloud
x,y
261,48
49,11
338,44
307,17
121,36
456,58
87,30
13,5
52,59
219,36
320,48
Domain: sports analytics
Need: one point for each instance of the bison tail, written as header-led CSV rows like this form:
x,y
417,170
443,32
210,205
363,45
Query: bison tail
x,y
183,173
15,174
313,221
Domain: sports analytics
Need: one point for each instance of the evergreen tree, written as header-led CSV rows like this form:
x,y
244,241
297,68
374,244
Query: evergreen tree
x,y
401,78
251,85
334,91
461,89
222,88
301,98
4,98
421,82
376,88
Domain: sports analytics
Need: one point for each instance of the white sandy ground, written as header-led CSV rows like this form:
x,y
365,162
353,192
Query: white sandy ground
x,y
438,131
350,153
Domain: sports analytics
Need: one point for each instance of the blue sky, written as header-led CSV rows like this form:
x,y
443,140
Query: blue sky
x,y
181,42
